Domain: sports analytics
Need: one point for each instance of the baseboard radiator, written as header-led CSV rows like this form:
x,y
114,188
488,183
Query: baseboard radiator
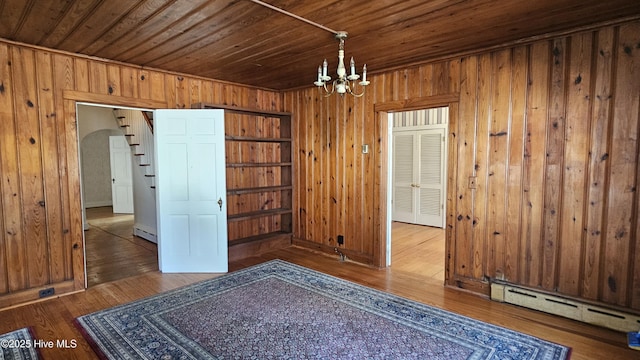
x,y
138,231
571,309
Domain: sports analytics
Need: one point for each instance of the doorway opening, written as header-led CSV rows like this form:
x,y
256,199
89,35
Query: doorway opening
x,y
112,250
118,213
417,176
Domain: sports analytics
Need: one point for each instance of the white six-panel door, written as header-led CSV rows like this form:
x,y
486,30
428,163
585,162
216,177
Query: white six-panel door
x,y
121,178
191,190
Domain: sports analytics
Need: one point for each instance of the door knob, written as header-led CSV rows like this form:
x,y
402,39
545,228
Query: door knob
x,y
220,203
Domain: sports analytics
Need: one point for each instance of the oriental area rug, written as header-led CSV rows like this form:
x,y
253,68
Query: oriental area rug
x,y
277,310
18,345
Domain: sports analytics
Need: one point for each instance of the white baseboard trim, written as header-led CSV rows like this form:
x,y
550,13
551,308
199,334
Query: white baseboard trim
x,y
145,232
95,204
571,309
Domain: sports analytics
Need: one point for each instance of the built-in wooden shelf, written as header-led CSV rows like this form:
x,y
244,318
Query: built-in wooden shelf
x,y
259,244
259,189
253,231
243,165
256,139
257,214
260,237
242,110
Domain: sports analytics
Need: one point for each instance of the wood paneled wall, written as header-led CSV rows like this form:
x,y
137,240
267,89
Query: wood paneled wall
x,y
337,185
41,231
549,133
242,177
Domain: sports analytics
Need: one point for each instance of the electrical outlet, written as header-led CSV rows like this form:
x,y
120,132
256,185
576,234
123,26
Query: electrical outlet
x,y
46,292
340,239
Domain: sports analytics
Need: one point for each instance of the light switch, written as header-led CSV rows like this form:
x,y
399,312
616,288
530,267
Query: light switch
x,y
365,148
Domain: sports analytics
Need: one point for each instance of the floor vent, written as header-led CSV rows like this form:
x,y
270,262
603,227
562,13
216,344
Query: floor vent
x,y
572,309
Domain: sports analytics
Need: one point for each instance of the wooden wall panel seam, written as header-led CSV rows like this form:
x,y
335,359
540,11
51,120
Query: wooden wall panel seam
x,y
515,168
7,173
44,81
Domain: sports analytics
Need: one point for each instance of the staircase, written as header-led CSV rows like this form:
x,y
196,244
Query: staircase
x,y
137,127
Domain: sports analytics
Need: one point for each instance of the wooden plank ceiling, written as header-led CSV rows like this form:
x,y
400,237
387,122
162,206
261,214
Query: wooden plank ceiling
x,y
243,42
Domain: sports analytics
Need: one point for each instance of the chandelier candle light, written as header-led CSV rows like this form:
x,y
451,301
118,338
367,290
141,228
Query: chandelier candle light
x,y
344,83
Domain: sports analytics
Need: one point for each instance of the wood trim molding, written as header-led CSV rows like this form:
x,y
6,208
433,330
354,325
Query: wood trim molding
x,y
334,251
380,196
29,296
241,110
380,110
121,63
477,287
113,100
417,103
76,230
71,98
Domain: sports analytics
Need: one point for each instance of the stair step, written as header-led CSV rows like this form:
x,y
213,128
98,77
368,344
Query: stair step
x,y
153,187
138,154
150,175
124,126
129,135
134,144
122,117
145,164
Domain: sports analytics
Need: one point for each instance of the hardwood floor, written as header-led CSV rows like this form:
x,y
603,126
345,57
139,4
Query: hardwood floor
x,y
53,319
418,250
112,251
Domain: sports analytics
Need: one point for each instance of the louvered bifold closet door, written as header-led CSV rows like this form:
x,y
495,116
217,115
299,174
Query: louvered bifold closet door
x,y
430,201
403,178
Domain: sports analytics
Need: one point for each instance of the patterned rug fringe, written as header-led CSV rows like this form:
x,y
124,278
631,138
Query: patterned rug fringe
x,y
19,345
